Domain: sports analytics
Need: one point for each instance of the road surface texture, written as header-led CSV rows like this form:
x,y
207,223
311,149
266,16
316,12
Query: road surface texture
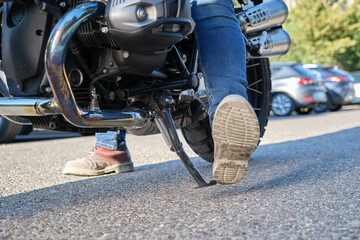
x,y
303,183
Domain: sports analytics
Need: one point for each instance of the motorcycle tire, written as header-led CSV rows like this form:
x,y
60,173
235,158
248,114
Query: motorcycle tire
x,y
26,129
8,130
198,134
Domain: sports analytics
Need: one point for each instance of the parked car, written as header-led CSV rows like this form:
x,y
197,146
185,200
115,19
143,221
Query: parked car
x,y
356,76
8,129
339,85
295,88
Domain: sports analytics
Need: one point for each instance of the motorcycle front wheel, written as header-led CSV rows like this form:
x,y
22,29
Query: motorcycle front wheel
x,y
198,134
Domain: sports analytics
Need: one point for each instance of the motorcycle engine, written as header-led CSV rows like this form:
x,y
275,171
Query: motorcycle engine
x,y
148,26
140,32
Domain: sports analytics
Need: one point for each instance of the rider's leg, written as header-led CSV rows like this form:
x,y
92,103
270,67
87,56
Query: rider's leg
x,y
223,61
109,155
111,140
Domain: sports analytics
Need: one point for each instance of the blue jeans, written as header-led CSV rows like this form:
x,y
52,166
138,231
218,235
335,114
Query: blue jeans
x,y
222,58
111,140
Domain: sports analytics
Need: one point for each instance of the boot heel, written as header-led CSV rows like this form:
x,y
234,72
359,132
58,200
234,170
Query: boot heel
x,y
129,167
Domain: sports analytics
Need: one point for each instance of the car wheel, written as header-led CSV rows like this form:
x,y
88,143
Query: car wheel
x,y
303,110
282,104
323,107
335,108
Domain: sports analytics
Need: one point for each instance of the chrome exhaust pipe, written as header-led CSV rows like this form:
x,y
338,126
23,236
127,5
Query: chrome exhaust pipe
x,y
18,106
14,108
277,43
64,101
270,14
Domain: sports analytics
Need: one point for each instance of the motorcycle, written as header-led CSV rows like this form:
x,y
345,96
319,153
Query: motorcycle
x,y
92,66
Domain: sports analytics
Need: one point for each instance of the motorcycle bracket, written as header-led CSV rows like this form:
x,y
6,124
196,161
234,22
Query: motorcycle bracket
x,y
257,49
161,105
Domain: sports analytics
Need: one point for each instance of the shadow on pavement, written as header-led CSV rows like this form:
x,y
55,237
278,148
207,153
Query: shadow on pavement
x,y
45,135
277,165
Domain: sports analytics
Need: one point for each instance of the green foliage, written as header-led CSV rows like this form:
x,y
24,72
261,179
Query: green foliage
x,y
325,32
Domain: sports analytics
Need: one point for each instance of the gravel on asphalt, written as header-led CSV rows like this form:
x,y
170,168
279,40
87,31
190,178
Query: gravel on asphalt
x,y
303,183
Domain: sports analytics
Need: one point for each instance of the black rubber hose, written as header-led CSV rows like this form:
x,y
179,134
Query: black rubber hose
x,y
54,11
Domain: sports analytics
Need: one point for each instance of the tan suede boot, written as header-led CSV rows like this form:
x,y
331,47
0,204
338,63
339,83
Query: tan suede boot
x,y
100,161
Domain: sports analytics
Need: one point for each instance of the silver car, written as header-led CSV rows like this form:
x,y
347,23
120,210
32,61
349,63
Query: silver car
x,y
339,85
295,88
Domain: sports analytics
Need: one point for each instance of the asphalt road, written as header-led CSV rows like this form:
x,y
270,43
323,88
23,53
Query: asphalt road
x,y
303,183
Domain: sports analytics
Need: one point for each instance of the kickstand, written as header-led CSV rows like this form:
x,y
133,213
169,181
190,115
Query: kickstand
x,y
161,105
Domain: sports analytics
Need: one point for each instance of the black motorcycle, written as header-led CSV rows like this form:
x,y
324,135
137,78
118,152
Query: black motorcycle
x,y
90,66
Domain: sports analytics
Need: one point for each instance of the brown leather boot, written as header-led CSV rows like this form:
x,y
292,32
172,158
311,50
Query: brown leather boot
x,y
100,161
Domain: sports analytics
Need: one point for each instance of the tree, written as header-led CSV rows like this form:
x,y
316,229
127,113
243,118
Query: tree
x,y
324,32
350,59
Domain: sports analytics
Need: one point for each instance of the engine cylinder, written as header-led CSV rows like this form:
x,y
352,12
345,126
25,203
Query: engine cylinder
x,y
148,27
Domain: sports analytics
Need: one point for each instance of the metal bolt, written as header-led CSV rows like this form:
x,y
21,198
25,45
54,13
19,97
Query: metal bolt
x,y
125,54
48,89
105,29
52,125
141,14
94,105
18,86
62,4
43,6
111,63
112,96
105,70
184,57
118,79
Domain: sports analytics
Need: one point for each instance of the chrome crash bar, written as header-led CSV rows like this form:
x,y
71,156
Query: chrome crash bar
x,y
64,102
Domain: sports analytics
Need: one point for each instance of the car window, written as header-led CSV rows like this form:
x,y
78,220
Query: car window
x,y
325,72
322,71
356,75
303,71
337,71
274,70
283,72
315,72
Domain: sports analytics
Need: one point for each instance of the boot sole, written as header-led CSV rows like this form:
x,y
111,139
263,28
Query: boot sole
x,y
236,133
121,168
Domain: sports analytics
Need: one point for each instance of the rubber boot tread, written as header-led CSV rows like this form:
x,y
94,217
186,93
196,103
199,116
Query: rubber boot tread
x,y
236,133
